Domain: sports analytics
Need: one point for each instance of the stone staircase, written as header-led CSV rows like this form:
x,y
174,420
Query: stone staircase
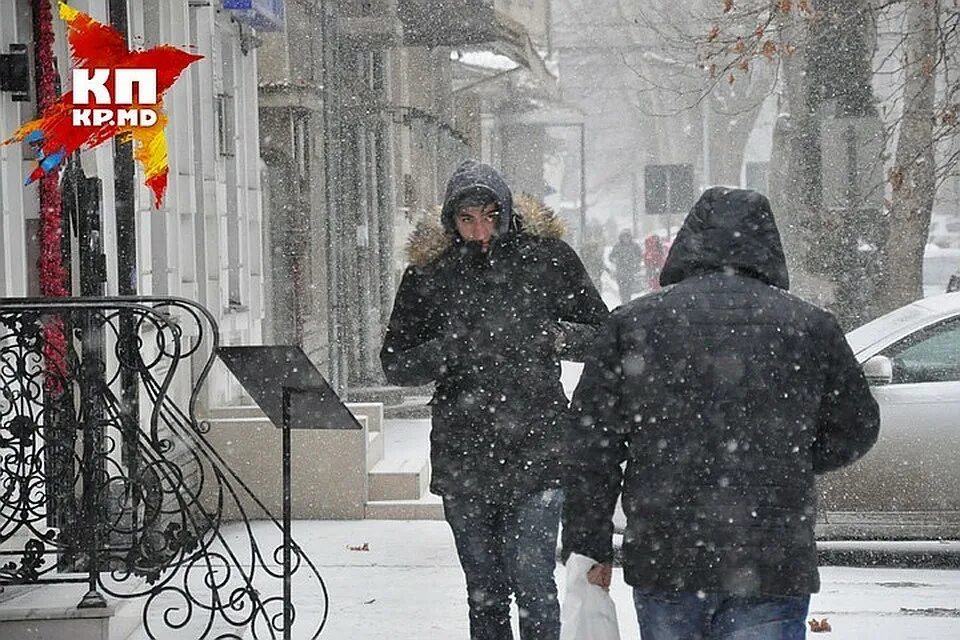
x,y
399,482
379,472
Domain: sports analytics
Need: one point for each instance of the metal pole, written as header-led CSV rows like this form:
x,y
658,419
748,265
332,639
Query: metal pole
x,y
583,183
93,516
287,509
93,378
126,243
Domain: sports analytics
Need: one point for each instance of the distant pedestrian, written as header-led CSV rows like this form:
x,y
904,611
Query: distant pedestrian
x,y
654,255
627,257
592,255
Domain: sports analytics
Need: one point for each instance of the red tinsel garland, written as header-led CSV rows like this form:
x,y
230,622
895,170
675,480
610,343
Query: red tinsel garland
x,y
53,275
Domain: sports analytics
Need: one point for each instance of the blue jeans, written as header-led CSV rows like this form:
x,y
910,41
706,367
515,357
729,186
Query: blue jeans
x,y
508,549
720,616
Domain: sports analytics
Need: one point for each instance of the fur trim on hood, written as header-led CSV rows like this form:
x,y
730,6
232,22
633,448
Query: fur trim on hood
x,y
430,239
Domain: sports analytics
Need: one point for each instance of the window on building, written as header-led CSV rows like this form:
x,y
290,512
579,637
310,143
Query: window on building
x,y
226,125
226,140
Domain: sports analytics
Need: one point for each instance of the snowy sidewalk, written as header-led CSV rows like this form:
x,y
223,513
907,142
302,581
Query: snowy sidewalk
x,y
408,586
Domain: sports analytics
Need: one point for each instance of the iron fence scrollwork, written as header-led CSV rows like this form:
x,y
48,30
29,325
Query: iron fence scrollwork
x,y
90,495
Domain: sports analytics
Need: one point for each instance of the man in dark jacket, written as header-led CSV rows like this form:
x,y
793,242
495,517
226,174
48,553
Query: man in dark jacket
x,y
725,395
492,301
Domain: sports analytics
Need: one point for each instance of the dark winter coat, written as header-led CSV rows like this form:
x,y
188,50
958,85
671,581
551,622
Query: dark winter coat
x,y
490,329
627,256
725,395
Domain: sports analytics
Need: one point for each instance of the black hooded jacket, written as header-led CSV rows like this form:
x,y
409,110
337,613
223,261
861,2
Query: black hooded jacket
x,y
489,328
725,395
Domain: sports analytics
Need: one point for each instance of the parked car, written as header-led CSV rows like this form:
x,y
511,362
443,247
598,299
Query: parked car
x,y
908,485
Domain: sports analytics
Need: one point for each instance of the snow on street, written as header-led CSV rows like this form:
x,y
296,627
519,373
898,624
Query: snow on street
x,y
409,586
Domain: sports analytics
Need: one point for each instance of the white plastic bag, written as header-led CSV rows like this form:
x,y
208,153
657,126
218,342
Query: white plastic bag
x,y
588,611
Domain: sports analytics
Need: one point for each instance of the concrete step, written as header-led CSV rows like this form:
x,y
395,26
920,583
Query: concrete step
x,y
235,411
372,411
241,422
429,507
375,442
399,479
127,620
385,394
412,409
330,467
50,611
375,438
256,422
11,591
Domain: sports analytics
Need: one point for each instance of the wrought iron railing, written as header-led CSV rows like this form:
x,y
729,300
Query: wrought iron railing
x,y
107,478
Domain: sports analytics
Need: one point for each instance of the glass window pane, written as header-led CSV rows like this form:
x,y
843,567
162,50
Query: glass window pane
x,y
932,355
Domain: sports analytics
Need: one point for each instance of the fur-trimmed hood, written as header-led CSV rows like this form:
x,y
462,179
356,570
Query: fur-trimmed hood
x,y
430,237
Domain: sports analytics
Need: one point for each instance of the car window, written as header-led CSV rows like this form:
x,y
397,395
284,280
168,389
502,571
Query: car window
x,y
930,355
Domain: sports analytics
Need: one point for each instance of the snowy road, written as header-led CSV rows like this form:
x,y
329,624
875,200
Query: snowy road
x,y
409,586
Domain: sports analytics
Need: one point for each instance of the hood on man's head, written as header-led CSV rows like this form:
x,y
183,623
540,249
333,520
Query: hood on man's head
x,y
728,229
429,239
472,180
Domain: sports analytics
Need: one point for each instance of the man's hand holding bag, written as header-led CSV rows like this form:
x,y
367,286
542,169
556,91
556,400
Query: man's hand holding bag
x,y
588,611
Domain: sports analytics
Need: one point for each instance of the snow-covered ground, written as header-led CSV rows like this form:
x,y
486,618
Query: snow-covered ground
x,y
409,586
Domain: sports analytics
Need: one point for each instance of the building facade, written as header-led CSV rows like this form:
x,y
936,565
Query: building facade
x,y
205,243
365,109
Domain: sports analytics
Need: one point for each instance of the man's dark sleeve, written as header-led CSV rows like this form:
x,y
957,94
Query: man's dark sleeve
x,y
412,354
582,311
596,445
849,419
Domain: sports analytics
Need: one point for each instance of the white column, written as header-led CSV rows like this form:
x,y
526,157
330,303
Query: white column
x,y
16,201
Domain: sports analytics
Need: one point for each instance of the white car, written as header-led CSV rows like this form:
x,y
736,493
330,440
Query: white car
x,y
908,485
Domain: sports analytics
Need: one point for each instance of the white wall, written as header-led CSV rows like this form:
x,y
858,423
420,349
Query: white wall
x,y
18,204
204,243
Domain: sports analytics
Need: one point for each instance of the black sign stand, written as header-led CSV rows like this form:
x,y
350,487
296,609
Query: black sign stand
x,y
294,395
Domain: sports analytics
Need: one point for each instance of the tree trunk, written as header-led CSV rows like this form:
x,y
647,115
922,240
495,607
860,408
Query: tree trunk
x,y
913,176
728,144
731,111
826,82
794,176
